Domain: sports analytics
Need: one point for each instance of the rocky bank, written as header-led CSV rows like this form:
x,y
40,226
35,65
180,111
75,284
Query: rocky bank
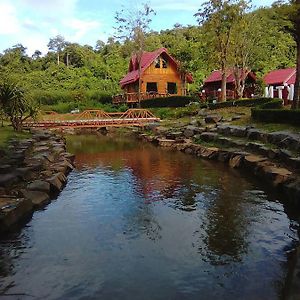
x,y
32,172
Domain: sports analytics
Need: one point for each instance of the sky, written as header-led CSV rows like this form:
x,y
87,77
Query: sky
x,y
33,22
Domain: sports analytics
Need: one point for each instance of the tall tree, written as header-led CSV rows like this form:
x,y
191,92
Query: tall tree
x,y
57,44
289,14
133,25
244,48
218,17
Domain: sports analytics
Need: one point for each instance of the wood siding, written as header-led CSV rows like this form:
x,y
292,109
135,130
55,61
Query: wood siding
x,y
162,76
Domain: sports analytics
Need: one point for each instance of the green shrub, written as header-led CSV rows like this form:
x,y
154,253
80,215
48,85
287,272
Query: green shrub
x,y
242,102
276,115
274,104
172,101
164,112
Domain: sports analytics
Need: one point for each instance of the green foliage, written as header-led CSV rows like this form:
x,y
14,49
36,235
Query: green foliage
x,y
15,104
243,102
276,116
273,104
92,75
172,101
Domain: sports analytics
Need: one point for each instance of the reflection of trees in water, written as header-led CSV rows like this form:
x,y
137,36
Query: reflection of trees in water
x,y
227,222
161,175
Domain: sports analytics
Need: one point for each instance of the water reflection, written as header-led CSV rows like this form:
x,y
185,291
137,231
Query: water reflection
x,y
139,222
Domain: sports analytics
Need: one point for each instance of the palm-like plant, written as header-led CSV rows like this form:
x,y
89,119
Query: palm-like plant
x,y
15,104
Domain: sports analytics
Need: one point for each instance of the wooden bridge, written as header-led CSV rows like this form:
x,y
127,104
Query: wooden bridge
x,y
93,118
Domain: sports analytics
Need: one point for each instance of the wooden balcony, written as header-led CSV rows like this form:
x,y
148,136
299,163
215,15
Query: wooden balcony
x,y
133,97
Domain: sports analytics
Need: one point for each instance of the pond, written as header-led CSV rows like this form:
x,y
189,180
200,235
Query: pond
x,y
140,222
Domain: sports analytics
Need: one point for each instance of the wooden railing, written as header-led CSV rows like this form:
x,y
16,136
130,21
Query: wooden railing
x,y
134,97
93,119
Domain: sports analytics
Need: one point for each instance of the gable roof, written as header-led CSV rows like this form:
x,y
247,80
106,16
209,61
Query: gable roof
x,y
216,76
281,76
146,60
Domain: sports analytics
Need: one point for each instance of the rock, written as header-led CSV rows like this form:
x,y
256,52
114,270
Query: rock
x,y
58,150
253,146
69,156
188,150
25,173
5,168
209,152
190,131
166,142
224,156
256,134
213,119
236,117
49,157
202,112
9,179
39,185
41,149
293,190
253,161
276,175
174,135
37,198
12,210
223,129
285,154
294,162
194,122
236,161
238,131
56,182
208,136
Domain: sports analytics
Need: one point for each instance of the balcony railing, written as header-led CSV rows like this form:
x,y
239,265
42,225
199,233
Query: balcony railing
x,y
134,97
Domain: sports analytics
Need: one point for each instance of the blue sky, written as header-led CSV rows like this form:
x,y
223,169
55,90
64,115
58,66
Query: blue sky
x,y
34,22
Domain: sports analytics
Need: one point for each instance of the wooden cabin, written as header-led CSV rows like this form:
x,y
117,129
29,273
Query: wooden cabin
x,y
160,77
280,84
211,89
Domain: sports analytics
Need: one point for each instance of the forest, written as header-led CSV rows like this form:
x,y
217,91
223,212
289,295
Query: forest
x,y
71,74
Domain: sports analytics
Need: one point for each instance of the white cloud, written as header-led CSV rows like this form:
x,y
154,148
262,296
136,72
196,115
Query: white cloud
x,y
9,23
81,27
176,5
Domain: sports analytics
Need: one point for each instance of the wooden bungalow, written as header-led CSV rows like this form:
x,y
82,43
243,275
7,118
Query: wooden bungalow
x,y
211,89
160,77
280,84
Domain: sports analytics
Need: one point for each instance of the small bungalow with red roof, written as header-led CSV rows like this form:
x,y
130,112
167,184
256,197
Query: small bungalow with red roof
x,y
160,77
280,84
212,86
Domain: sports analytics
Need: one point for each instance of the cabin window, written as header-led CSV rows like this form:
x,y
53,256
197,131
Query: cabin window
x,y
151,87
172,88
164,63
157,63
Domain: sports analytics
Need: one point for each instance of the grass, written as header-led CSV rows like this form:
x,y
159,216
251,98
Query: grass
x,y
7,132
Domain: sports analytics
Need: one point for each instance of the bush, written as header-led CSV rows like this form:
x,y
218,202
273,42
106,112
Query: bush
x,y
243,102
274,104
276,115
172,101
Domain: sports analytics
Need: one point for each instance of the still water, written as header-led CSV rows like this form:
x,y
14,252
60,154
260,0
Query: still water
x,y
140,222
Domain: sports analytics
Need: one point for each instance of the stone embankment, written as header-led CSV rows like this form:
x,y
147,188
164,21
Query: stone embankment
x,y
32,172
273,157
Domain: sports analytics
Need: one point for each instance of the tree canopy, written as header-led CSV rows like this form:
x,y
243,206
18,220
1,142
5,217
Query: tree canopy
x,y
95,72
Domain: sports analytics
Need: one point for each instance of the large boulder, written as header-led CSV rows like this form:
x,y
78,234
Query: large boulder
x,y
39,185
213,119
12,210
37,198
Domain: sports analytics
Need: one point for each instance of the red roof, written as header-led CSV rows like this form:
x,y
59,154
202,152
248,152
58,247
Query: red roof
x,y
281,76
216,76
147,59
